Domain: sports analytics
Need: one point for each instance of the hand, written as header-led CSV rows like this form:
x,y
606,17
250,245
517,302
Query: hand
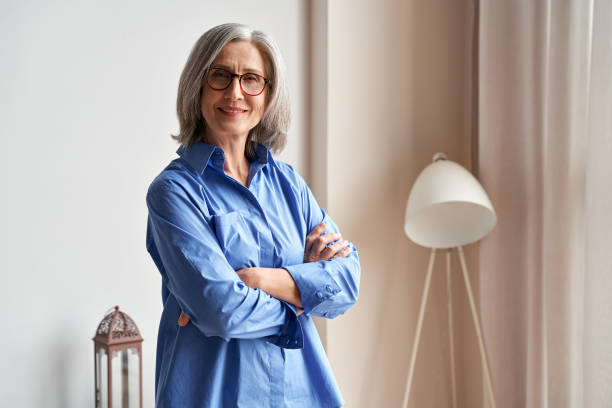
x,y
250,276
317,249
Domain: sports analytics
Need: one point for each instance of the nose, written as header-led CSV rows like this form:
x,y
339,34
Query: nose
x,y
234,91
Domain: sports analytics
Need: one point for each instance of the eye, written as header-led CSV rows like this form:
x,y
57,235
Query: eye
x,y
218,73
251,77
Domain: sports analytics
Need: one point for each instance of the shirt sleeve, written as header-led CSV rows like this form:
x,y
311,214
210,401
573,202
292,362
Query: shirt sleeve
x,y
327,288
204,284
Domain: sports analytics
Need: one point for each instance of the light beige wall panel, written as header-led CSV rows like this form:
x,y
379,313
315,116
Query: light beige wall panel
x,y
398,91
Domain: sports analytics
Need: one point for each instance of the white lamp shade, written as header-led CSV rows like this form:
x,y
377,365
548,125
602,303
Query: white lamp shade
x,y
447,207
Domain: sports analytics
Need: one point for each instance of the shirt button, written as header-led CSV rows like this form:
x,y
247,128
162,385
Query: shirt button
x,y
319,295
329,289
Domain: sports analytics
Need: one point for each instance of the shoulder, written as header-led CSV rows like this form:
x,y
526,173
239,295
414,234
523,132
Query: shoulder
x,y
176,176
290,174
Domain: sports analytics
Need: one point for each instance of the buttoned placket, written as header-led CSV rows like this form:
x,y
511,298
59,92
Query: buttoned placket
x,y
267,249
276,354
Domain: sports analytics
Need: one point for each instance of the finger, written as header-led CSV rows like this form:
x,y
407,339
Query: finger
x,y
321,242
331,250
344,253
330,237
338,246
316,231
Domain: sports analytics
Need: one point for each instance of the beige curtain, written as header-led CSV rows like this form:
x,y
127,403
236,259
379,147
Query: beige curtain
x,y
545,158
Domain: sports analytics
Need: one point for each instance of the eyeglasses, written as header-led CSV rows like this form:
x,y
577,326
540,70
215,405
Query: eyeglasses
x,y
251,84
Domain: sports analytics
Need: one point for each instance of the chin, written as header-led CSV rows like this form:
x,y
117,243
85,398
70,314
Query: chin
x,y
234,127
233,132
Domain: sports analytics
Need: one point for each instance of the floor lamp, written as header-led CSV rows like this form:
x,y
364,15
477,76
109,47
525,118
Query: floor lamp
x,y
448,208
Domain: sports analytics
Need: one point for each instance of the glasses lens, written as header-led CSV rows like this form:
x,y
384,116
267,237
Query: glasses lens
x,y
252,84
219,78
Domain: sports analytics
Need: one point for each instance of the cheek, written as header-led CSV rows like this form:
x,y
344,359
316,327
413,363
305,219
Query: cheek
x,y
206,102
260,107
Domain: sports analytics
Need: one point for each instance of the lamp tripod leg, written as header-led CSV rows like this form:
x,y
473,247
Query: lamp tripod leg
x,y
451,339
483,354
417,336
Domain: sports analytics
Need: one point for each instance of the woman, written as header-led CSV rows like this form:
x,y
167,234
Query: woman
x,y
246,254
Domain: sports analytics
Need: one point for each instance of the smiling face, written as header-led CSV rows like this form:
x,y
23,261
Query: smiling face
x,y
230,113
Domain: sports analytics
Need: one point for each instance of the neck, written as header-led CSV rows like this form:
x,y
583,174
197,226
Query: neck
x,y
236,163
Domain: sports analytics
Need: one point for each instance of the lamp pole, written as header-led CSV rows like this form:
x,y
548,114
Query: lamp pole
x,y
415,344
417,336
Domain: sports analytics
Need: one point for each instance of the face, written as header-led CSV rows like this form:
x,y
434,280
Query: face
x,y
230,113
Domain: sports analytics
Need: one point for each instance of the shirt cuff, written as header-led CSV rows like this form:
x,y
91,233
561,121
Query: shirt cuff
x,y
291,335
317,287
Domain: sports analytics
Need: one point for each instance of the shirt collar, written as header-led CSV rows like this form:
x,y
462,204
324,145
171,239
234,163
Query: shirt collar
x,y
262,154
198,154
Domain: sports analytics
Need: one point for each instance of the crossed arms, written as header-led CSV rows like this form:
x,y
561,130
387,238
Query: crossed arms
x,y
250,302
279,283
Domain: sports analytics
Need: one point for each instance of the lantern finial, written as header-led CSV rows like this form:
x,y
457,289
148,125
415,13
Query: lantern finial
x,y
117,327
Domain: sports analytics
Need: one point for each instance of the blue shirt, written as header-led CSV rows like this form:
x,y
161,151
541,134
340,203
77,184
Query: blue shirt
x,y
242,347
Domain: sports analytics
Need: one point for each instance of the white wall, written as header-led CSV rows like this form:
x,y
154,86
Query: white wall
x,y
87,103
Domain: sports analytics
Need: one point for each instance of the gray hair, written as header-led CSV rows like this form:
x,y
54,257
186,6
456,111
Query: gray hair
x,y
271,130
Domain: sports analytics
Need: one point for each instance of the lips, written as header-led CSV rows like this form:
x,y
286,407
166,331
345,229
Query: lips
x,y
231,109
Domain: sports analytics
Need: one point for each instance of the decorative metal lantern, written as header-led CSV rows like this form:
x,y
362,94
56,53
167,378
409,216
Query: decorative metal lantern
x,y
118,362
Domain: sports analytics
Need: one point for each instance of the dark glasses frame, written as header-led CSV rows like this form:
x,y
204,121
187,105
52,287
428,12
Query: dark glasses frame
x,y
239,76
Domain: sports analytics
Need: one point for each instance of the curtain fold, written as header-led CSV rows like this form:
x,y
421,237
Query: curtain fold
x,y
544,157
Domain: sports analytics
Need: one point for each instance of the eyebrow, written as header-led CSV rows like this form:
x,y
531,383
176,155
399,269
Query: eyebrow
x,y
250,70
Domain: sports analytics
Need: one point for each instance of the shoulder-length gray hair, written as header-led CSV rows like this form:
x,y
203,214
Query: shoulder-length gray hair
x,y
271,131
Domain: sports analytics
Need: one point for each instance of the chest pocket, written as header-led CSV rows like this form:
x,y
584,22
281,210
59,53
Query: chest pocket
x,y
238,238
